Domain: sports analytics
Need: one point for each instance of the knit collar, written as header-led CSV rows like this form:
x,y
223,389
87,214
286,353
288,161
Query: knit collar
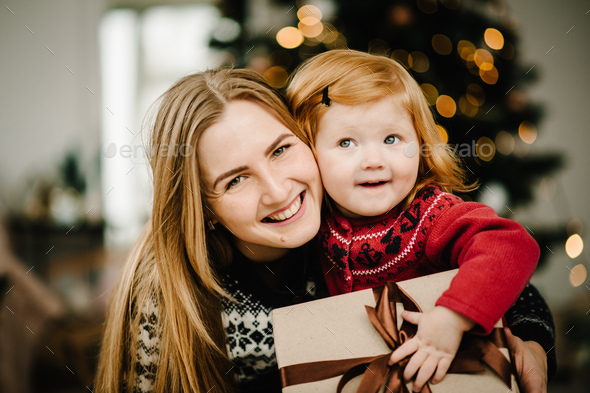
x,y
246,275
367,221
389,216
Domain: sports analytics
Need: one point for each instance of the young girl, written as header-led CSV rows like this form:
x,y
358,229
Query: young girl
x,y
388,175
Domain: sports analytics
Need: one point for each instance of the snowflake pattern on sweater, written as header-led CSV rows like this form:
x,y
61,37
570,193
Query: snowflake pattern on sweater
x,y
436,232
247,321
368,252
250,343
147,352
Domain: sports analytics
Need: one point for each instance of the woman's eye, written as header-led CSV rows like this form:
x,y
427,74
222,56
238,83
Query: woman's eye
x,y
345,143
390,140
234,182
280,150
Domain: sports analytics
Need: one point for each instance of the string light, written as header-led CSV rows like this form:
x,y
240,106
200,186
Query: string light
x,y
378,47
527,132
578,275
574,246
446,106
310,27
402,56
483,59
309,11
494,39
489,76
505,143
465,49
289,37
418,61
430,92
466,107
485,149
442,44
401,15
443,133
276,76
330,33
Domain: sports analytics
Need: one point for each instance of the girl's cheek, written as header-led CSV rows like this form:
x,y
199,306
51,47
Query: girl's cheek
x,y
411,150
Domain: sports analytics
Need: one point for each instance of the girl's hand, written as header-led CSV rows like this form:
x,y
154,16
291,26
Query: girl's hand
x,y
434,346
530,361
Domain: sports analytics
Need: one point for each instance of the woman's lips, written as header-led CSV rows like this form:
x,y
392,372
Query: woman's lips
x,y
290,213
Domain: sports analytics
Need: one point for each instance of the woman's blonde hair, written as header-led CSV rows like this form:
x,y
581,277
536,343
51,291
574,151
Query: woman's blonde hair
x,y
173,264
354,78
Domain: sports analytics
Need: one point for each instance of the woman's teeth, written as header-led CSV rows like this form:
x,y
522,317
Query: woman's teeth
x,y
288,213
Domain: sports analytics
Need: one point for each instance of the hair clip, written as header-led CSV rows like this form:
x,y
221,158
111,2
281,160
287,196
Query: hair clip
x,y
325,99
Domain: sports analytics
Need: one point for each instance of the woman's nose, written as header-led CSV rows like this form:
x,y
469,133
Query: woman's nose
x,y
275,189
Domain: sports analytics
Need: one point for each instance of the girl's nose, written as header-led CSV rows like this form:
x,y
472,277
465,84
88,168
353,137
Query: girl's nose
x,y
372,159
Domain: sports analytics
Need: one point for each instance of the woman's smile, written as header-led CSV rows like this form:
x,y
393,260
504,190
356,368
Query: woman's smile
x,y
266,190
288,214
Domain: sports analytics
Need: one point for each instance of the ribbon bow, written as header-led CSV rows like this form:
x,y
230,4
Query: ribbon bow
x,y
475,351
384,319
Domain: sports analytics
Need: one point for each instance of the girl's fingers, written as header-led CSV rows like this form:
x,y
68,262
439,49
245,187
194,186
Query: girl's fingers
x,y
411,316
426,371
441,370
408,348
414,364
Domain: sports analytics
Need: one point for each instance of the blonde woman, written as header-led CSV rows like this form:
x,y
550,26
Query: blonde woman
x,y
249,195
225,245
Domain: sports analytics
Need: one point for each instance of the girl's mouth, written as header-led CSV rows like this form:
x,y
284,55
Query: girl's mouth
x,y
287,213
373,184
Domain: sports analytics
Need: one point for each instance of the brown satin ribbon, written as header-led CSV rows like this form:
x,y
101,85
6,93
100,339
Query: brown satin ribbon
x,y
474,352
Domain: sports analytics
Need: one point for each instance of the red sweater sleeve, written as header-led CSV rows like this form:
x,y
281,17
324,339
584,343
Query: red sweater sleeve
x,y
496,257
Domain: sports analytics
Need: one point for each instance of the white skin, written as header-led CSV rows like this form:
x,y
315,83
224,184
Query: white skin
x,y
368,158
263,181
530,361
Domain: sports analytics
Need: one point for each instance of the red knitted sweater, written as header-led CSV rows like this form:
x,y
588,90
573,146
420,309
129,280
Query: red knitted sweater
x,y
437,232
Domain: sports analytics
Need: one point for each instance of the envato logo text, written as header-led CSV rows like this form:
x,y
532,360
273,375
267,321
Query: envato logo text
x,y
139,151
484,150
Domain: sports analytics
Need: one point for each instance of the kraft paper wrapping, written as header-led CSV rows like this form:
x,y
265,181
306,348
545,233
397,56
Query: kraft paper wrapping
x,y
339,328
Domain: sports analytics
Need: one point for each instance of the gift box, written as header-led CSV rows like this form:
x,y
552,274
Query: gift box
x,y
344,341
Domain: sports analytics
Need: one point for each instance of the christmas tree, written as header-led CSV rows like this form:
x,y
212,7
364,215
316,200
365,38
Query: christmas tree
x,y
464,54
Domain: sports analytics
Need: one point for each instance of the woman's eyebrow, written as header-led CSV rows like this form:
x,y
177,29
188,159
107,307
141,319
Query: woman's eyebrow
x,y
273,146
229,173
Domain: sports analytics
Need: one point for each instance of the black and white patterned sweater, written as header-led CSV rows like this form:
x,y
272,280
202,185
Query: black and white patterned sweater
x,y
248,324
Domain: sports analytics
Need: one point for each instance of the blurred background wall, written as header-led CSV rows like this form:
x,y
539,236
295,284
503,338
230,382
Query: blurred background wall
x,y
77,78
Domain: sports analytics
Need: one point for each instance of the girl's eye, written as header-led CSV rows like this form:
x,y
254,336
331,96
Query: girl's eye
x,y
345,143
234,182
390,140
280,151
